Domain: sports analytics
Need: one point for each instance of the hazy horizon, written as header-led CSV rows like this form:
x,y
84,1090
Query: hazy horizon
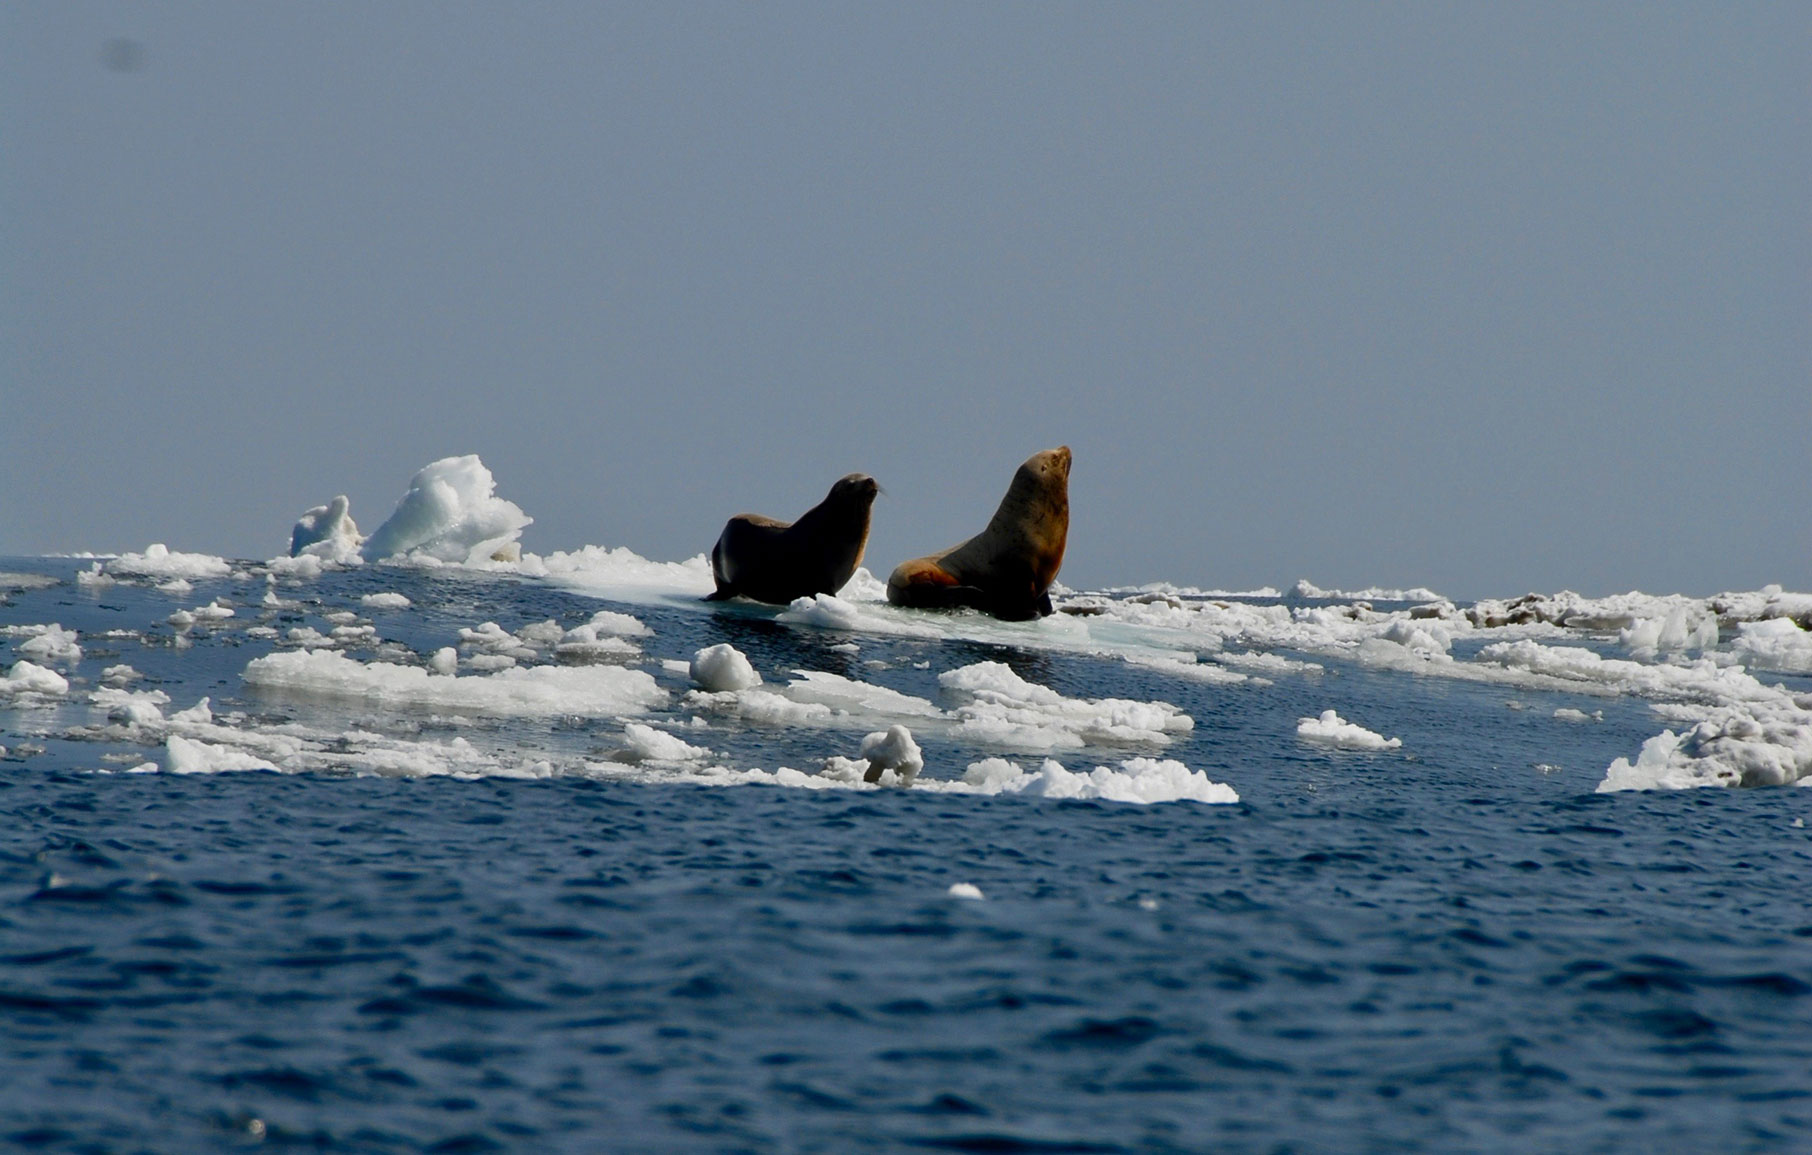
x,y
1487,300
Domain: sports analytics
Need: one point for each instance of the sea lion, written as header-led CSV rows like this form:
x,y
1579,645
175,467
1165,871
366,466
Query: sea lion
x,y
1007,569
772,561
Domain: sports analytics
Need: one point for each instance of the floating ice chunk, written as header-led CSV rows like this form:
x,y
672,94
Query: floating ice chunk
x,y
492,639
1747,744
587,691
1768,603
602,638
863,586
609,623
191,756
119,675
451,514
1330,729
1004,709
94,578
763,707
647,744
10,582
142,708
834,612
1138,780
892,751
965,890
200,714
326,532
625,575
1188,665
1581,669
827,611
1426,636
51,644
722,668
848,696
1774,644
28,678
387,600
445,661
1569,714
1681,629
488,663
159,560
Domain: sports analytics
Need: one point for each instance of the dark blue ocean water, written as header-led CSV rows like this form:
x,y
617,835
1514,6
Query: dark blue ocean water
x,y
1442,948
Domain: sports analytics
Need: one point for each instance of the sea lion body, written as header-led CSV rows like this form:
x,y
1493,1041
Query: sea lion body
x,y
1006,569
773,561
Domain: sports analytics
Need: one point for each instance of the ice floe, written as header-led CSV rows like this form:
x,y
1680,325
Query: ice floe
x,y
584,691
27,680
1330,729
159,561
49,645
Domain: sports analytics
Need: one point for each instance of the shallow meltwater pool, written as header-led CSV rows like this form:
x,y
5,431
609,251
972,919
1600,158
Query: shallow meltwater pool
x,y
472,861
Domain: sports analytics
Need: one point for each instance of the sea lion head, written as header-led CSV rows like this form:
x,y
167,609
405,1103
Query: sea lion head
x,y
1033,520
853,491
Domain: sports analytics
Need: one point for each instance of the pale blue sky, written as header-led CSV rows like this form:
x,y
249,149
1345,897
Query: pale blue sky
x,y
1488,298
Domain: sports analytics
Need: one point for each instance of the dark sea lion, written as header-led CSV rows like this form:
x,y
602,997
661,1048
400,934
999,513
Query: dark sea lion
x,y
772,561
1007,569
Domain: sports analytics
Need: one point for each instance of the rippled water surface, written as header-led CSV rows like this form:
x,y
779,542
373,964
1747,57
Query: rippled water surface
x,y
1455,945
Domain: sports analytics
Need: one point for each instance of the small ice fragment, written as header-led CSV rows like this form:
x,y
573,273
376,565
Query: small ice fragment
x,y
386,601
1569,714
1332,730
965,890
892,749
326,531
445,661
647,744
723,667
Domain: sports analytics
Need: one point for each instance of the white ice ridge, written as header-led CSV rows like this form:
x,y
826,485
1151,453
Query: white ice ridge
x,y
536,691
1304,589
1330,729
450,514
327,532
1142,781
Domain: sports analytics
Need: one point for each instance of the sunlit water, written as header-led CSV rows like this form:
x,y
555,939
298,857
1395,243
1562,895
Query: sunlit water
x,y
1451,945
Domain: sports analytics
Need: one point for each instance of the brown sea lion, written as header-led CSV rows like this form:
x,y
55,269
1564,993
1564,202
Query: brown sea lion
x,y
772,561
1007,569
